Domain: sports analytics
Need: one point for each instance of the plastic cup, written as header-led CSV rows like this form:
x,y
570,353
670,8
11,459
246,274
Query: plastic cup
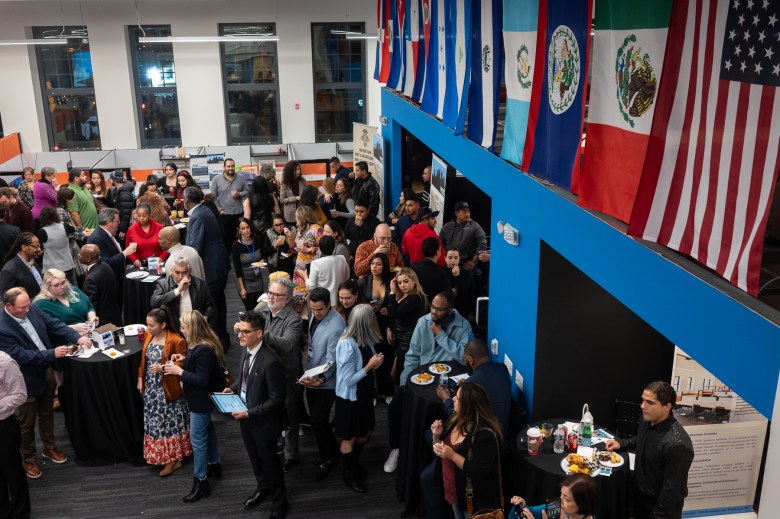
x,y
535,439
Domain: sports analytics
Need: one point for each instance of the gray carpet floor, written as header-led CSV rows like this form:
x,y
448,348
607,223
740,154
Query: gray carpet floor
x,y
72,491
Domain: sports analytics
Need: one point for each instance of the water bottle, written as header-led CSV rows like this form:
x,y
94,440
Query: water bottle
x,y
560,437
587,433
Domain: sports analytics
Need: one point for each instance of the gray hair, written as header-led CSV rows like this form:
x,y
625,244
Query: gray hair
x,y
267,171
48,171
360,326
181,261
288,285
106,215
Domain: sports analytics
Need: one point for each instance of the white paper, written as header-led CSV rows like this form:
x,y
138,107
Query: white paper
x,y
313,372
112,353
150,279
132,329
459,378
180,225
87,353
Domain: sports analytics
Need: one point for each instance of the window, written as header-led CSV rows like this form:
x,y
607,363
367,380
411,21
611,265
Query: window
x,y
339,80
68,89
155,88
250,71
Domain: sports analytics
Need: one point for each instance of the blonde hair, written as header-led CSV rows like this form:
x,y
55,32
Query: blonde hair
x,y
306,215
199,332
329,185
50,276
411,274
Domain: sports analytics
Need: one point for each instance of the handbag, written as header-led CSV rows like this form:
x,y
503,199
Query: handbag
x,y
497,513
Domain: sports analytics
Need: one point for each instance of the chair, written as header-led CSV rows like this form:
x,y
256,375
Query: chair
x,y
627,418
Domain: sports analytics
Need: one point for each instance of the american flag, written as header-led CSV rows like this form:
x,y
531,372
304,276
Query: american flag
x,y
712,161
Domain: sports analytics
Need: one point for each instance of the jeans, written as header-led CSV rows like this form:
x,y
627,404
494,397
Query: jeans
x,y
205,448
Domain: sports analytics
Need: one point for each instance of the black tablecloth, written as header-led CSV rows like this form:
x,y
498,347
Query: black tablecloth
x,y
103,408
182,231
421,408
136,299
541,476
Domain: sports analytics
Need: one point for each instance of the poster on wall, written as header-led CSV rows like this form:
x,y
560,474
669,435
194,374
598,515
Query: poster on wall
x,y
438,185
379,166
205,167
363,150
728,437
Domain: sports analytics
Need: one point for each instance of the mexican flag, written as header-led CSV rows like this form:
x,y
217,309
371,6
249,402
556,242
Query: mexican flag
x,y
628,55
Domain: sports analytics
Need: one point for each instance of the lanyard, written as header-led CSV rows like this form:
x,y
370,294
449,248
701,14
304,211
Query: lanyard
x,y
250,251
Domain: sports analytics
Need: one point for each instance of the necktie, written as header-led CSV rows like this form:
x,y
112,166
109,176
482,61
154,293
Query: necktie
x,y
245,375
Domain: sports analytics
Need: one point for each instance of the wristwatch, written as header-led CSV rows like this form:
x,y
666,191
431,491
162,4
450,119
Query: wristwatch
x,y
321,377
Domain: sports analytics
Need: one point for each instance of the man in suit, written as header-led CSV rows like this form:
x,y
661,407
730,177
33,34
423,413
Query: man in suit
x,y
110,251
28,335
182,292
203,235
8,233
262,387
100,285
20,270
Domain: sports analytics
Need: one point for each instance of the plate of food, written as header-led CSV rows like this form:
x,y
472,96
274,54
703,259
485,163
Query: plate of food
x,y
610,459
260,263
576,464
423,379
184,220
139,274
439,368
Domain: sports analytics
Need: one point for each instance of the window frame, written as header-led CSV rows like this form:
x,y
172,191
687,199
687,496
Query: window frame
x,y
250,87
338,85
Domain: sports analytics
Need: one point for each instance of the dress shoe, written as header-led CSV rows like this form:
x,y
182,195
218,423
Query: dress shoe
x,y
289,464
170,468
255,499
214,470
55,456
32,470
199,489
280,512
323,469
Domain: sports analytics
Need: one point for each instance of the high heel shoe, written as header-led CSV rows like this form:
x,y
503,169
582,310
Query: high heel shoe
x,y
199,489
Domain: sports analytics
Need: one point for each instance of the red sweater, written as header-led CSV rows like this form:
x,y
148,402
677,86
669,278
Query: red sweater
x,y
147,241
412,243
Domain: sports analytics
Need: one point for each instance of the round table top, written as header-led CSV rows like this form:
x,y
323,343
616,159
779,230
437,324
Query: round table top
x,y
428,391
132,346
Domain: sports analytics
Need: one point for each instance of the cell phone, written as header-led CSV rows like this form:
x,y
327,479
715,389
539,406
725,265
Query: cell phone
x,y
553,509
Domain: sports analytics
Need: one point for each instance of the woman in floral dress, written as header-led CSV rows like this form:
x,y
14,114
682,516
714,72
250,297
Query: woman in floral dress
x,y
306,244
166,416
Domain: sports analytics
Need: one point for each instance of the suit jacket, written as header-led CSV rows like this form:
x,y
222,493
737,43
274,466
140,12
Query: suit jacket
x,y
322,346
199,378
16,273
8,234
199,296
203,235
265,392
100,287
171,384
32,361
110,255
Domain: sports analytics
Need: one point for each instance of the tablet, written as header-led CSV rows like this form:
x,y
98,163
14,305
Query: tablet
x,y
228,402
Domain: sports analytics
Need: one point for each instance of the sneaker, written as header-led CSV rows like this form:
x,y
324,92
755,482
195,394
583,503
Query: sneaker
x,y
32,470
388,400
392,461
55,456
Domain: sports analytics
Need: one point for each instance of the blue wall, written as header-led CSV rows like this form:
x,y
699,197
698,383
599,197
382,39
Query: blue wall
x,y
737,345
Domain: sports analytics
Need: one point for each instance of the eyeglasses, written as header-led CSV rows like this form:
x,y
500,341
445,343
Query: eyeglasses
x,y
58,285
274,294
245,332
34,245
440,308
278,225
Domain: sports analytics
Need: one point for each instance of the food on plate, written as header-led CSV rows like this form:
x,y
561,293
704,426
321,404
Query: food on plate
x,y
424,377
609,457
579,464
441,367
576,460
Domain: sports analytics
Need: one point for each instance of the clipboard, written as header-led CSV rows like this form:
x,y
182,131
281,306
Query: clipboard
x,y
228,402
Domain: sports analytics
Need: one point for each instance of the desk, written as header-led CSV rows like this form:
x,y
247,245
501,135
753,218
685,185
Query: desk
x,y
136,299
102,407
541,476
421,408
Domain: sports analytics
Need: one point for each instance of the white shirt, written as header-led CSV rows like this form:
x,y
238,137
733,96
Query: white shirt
x,y
252,353
191,255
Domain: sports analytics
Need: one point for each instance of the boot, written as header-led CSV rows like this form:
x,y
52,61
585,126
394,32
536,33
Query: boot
x,y
214,470
348,467
357,450
199,489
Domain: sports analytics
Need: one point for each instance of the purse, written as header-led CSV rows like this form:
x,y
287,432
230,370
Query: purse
x,y
497,513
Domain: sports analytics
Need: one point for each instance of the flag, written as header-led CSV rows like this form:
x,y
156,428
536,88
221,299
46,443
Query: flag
x,y
382,68
458,60
628,56
412,44
396,45
520,20
554,132
436,63
486,61
425,24
712,160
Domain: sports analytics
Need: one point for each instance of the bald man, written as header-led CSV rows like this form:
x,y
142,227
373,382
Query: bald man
x,y
100,285
382,242
170,240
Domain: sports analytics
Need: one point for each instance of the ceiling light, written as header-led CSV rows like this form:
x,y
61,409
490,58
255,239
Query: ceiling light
x,y
206,39
36,41
362,36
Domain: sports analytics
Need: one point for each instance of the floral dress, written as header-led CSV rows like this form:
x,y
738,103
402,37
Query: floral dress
x,y
166,424
310,238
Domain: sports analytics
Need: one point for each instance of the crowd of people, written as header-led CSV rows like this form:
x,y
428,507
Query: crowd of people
x,y
325,280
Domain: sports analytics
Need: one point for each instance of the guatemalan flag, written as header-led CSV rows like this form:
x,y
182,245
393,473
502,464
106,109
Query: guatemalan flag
x,y
520,21
486,61
396,45
458,65
382,69
436,63
552,141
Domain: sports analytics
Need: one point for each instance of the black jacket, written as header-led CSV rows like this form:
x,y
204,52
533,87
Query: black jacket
x,y
112,256
123,199
199,296
8,234
199,378
367,189
357,234
16,274
100,287
433,278
265,393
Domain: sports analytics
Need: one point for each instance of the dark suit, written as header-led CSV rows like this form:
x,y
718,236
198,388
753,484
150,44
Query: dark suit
x,y
200,297
112,256
265,392
433,278
100,287
16,273
8,234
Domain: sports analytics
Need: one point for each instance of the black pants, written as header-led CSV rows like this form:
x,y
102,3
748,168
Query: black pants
x,y
320,403
644,504
266,464
394,416
219,322
229,223
14,493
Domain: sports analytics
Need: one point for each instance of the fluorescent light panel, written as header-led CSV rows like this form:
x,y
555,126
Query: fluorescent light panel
x,y
362,36
47,41
206,39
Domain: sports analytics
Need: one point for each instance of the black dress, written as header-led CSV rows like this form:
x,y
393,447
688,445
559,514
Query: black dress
x,y
403,318
356,419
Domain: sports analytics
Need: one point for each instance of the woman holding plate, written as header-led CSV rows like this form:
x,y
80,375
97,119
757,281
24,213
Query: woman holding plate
x,y
247,252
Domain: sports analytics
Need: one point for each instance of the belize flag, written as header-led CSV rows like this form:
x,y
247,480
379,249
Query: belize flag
x,y
458,65
486,61
411,44
554,133
520,21
396,45
436,63
382,69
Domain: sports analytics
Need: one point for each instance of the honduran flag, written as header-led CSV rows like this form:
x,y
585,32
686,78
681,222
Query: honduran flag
x,y
557,97
382,68
486,61
396,45
520,21
436,63
628,55
411,44
458,65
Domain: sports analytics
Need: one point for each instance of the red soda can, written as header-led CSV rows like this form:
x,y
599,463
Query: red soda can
x,y
572,439
141,333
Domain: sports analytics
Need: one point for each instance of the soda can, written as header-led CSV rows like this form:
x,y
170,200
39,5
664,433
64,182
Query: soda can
x,y
572,439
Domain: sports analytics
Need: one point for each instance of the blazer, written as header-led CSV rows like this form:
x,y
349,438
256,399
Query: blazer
x,y
328,272
265,392
349,368
8,234
100,287
204,235
32,361
171,383
199,296
322,345
16,273
110,255
199,377
287,199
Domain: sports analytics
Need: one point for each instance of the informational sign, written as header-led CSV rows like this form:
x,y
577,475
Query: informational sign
x,y
379,167
205,167
438,186
363,150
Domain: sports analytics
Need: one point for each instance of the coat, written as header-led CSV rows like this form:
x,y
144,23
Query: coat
x,y
171,384
287,199
16,273
201,369
322,346
100,288
265,392
204,235
110,255
199,296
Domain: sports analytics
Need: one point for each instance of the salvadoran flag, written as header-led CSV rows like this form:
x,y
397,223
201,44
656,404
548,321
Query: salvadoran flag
x,y
396,46
458,65
520,22
382,68
411,44
486,60
436,64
